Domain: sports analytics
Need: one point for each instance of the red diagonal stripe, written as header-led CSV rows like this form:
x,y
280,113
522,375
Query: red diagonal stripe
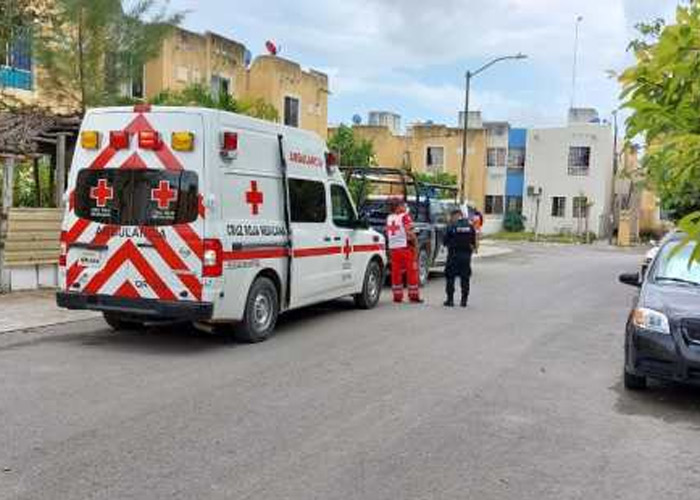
x,y
200,207
111,267
191,238
174,261
104,234
151,277
168,159
103,158
127,290
138,124
73,273
74,232
133,162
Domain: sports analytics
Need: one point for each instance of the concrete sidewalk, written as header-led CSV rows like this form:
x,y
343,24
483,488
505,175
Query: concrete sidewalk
x,y
491,249
24,310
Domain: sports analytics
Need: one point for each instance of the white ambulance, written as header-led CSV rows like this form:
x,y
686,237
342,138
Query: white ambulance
x,y
211,217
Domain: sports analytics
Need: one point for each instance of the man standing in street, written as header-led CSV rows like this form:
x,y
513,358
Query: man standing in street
x,y
402,242
460,241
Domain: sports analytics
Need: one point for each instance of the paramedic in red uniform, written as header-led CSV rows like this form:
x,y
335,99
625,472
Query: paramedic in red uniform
x,y
401,241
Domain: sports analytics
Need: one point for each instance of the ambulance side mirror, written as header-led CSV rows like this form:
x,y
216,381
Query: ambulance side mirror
x,y
362,222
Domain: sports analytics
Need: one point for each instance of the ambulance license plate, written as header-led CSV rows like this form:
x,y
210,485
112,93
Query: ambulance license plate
x,y
90,258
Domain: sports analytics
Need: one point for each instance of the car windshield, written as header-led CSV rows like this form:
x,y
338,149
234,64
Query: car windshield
x,y
674,265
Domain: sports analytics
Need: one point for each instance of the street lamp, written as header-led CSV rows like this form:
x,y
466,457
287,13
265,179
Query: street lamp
x,y
469,76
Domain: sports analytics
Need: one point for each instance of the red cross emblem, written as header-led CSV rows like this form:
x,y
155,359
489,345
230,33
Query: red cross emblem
x,y
254,198
163,195
393,228
102,193
347,249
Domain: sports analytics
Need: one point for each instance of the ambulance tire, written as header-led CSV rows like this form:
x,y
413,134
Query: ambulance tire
x,y
118,324
261,312
371,287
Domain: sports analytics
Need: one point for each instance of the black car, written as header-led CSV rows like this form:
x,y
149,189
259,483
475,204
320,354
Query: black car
x,y
663,330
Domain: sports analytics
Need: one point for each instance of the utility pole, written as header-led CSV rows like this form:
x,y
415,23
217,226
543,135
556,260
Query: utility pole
x,y
615,168
574,68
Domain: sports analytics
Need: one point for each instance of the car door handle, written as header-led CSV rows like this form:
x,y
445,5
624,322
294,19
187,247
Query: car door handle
x,y
337,238
327,239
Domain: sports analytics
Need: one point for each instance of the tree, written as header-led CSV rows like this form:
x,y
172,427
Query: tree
x,y
662,90
89,50
199,95
352,152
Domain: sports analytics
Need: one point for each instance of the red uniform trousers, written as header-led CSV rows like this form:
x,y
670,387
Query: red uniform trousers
x,y
403,260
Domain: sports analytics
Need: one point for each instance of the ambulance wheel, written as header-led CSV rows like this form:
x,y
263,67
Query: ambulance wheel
x,y
423,266
117,323
261,312
371,288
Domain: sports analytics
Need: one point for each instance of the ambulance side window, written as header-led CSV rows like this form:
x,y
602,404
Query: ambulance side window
x,y
307,200
343,212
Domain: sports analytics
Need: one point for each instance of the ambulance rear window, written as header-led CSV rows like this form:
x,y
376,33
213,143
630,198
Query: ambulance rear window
x,y
144,197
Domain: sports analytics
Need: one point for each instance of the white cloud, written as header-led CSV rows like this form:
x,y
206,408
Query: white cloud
x,y
417,50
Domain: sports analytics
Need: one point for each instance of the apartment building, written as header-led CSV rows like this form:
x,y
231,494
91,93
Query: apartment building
x,y
433,148
568,176
496,170
224,65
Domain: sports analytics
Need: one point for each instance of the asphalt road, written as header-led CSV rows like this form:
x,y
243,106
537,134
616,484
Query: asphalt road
x,y
518,397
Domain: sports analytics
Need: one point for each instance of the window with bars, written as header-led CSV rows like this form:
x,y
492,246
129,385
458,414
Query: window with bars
x,y
579,160
496,157
493,205
516,158
291,111
514,204
435,158
16,61
558,206
580,207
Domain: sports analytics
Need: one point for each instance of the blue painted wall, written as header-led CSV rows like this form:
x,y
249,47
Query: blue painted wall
x,y
515,179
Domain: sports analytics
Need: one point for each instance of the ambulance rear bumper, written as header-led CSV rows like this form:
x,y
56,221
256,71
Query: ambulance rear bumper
x,y
148,308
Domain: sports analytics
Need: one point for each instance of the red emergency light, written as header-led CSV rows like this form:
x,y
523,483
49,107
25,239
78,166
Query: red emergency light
x,y
331,162
119,139
150,139
229,144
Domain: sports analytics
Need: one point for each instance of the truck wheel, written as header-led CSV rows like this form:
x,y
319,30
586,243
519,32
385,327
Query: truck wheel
x,y
261,312
117,323
635,382
371,288
423,266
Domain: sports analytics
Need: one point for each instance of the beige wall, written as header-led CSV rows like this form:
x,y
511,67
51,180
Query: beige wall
x,y
409,151
189,58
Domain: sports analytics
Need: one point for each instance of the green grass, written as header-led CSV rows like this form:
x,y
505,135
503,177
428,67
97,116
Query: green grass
x,y
542,238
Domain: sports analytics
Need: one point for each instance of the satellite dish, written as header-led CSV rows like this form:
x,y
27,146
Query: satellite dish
x,y
271,48
357,119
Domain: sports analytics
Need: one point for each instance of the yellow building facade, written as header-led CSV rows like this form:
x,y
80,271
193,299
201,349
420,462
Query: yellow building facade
x,y
431,148
300,96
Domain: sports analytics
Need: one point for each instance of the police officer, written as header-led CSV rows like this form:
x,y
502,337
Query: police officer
x,y
460,240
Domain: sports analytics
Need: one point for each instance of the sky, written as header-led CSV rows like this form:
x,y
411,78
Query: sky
x,y
410,56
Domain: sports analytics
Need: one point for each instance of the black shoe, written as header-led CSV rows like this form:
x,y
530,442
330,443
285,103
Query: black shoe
x,y
463,303
448,303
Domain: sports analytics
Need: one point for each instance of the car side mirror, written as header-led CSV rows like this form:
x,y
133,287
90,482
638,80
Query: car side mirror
x,y
631,279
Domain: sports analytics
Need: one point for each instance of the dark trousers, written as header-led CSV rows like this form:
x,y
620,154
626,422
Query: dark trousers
x,y
458,266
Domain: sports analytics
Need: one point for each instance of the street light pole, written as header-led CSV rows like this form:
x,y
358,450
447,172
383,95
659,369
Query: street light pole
x,y
465,121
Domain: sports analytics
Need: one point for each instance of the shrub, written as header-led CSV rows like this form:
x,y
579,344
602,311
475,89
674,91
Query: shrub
x,y
514,222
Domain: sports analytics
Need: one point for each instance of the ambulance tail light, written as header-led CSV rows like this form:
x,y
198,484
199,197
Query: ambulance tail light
x,y
62,257
119,139
90,139
229,144
150,139
212,259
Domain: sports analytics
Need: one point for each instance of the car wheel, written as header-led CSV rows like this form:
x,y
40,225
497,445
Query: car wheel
x,y
118,323
371,288
261,312
635,382
423,266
